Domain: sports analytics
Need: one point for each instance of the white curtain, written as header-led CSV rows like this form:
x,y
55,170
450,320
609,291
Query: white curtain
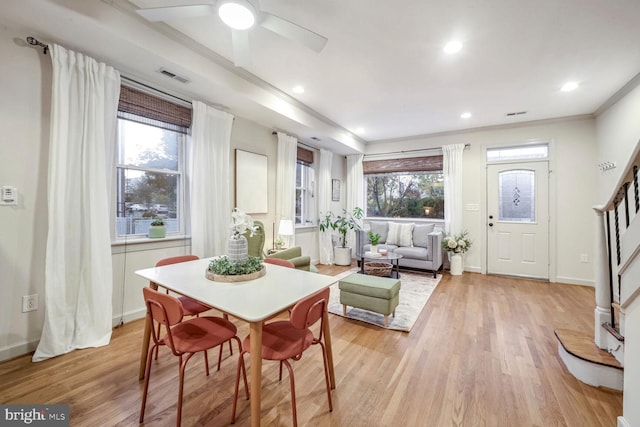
x,y
286,182
324,203
354,193
78,270
208,176
452,166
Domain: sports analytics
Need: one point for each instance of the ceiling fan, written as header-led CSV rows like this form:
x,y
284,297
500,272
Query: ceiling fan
x,y
240,16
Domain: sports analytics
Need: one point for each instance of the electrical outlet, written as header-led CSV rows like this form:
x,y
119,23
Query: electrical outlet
x,y
584,258
29,303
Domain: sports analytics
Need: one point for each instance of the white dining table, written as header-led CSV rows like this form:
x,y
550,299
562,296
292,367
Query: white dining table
x,y
252,301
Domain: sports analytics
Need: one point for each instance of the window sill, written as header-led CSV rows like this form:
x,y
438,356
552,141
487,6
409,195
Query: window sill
x,y
139,240
305,227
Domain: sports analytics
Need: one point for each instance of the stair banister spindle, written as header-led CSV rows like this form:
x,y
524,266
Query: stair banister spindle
x,y
636,191
625,189
610,268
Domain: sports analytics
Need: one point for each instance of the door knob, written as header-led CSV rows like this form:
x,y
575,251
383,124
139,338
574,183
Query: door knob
x,y
490,224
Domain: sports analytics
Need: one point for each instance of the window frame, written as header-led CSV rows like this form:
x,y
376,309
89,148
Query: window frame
x,y
308,203
180,173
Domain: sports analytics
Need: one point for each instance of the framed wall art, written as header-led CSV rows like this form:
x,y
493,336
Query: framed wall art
x,y
251,182
335,190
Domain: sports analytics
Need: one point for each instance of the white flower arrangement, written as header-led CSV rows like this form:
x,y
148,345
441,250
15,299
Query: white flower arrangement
x,y
241,223
457,244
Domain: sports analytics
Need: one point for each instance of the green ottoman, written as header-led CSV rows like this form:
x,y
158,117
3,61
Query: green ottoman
x,y
373,293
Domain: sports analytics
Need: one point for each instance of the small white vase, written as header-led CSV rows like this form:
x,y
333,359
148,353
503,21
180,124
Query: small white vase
x,y
455,264
374,248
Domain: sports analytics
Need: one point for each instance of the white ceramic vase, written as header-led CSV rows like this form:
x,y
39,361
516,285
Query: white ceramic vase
x,y
237,249
455,264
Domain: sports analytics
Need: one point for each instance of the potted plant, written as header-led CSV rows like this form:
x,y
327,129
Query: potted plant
x,y
374,239
456,246
157,228
342,223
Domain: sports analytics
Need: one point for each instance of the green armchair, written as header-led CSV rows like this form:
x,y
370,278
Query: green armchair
x,y
294,255
256,242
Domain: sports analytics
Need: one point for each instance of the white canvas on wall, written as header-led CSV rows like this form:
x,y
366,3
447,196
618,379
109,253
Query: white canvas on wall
x,y
251,182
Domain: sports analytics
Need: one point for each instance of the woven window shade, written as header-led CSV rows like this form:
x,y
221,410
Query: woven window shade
x,y
415,164
305,156
145,108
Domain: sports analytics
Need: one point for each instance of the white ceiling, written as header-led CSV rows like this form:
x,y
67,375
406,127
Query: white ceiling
x,y
383,68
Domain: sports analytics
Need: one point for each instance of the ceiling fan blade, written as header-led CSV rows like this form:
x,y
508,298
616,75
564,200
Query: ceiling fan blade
x,y
241,51
176,12
293,32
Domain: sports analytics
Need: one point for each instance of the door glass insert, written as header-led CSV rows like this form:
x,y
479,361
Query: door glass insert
x,y
516,192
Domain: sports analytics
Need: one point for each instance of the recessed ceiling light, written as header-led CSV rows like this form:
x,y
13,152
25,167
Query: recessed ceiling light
x,y
453,46
465,115
298,89
238,14
569,86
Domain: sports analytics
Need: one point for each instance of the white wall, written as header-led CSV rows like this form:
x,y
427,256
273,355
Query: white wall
x,y
618,132
574,155
24,120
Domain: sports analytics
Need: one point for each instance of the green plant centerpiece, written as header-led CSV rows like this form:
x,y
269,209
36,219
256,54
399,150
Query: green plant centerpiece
x,y
237,265
342,223
157,228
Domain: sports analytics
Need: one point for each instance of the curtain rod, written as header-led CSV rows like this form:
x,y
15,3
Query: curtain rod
x,y
45,49
466,146
298,139
35,42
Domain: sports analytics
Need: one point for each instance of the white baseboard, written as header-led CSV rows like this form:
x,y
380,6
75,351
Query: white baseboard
x,y
18,350
622,422
129,316
575,281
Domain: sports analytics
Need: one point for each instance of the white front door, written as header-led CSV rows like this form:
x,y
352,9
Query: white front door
x,y
518,219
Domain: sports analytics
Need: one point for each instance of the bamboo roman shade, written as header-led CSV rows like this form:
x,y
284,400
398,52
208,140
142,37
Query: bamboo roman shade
x,y
414,164
145,108
305,156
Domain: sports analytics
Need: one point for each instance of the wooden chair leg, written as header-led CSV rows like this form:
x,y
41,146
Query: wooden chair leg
x,y
386,320
344,310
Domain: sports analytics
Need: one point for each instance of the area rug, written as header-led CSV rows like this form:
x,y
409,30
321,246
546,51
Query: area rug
x,y
415,290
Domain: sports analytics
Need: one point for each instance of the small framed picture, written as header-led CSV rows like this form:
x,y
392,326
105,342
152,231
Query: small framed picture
x,y
335,190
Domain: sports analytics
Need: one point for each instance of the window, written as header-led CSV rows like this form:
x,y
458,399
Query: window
x,y
525,152
305,201
149,178
149,169
405,188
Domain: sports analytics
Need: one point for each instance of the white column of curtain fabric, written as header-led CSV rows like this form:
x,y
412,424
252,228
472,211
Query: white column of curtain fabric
x,y
208,176
354,193
78,279
452,168
286,182
324,204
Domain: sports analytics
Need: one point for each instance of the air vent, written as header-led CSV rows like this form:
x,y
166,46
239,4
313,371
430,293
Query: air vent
x,y
315,138
173,75
517,113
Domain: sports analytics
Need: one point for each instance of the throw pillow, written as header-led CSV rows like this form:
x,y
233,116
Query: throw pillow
x,y
400,234
379,227
421,234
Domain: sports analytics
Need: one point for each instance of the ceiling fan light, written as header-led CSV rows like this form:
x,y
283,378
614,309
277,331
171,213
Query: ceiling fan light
x,y
237,14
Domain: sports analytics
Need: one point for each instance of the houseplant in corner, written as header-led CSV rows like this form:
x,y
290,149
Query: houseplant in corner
x,y
456,246
157,229
342,223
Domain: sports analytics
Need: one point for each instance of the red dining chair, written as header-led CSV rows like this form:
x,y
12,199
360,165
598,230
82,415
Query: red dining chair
x,y
184,338
278,261
288,339
190,306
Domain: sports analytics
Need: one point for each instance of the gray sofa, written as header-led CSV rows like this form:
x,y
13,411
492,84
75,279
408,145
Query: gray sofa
x,y
420,244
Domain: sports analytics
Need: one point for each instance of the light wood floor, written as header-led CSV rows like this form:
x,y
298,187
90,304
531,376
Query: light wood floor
x,y
482,353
